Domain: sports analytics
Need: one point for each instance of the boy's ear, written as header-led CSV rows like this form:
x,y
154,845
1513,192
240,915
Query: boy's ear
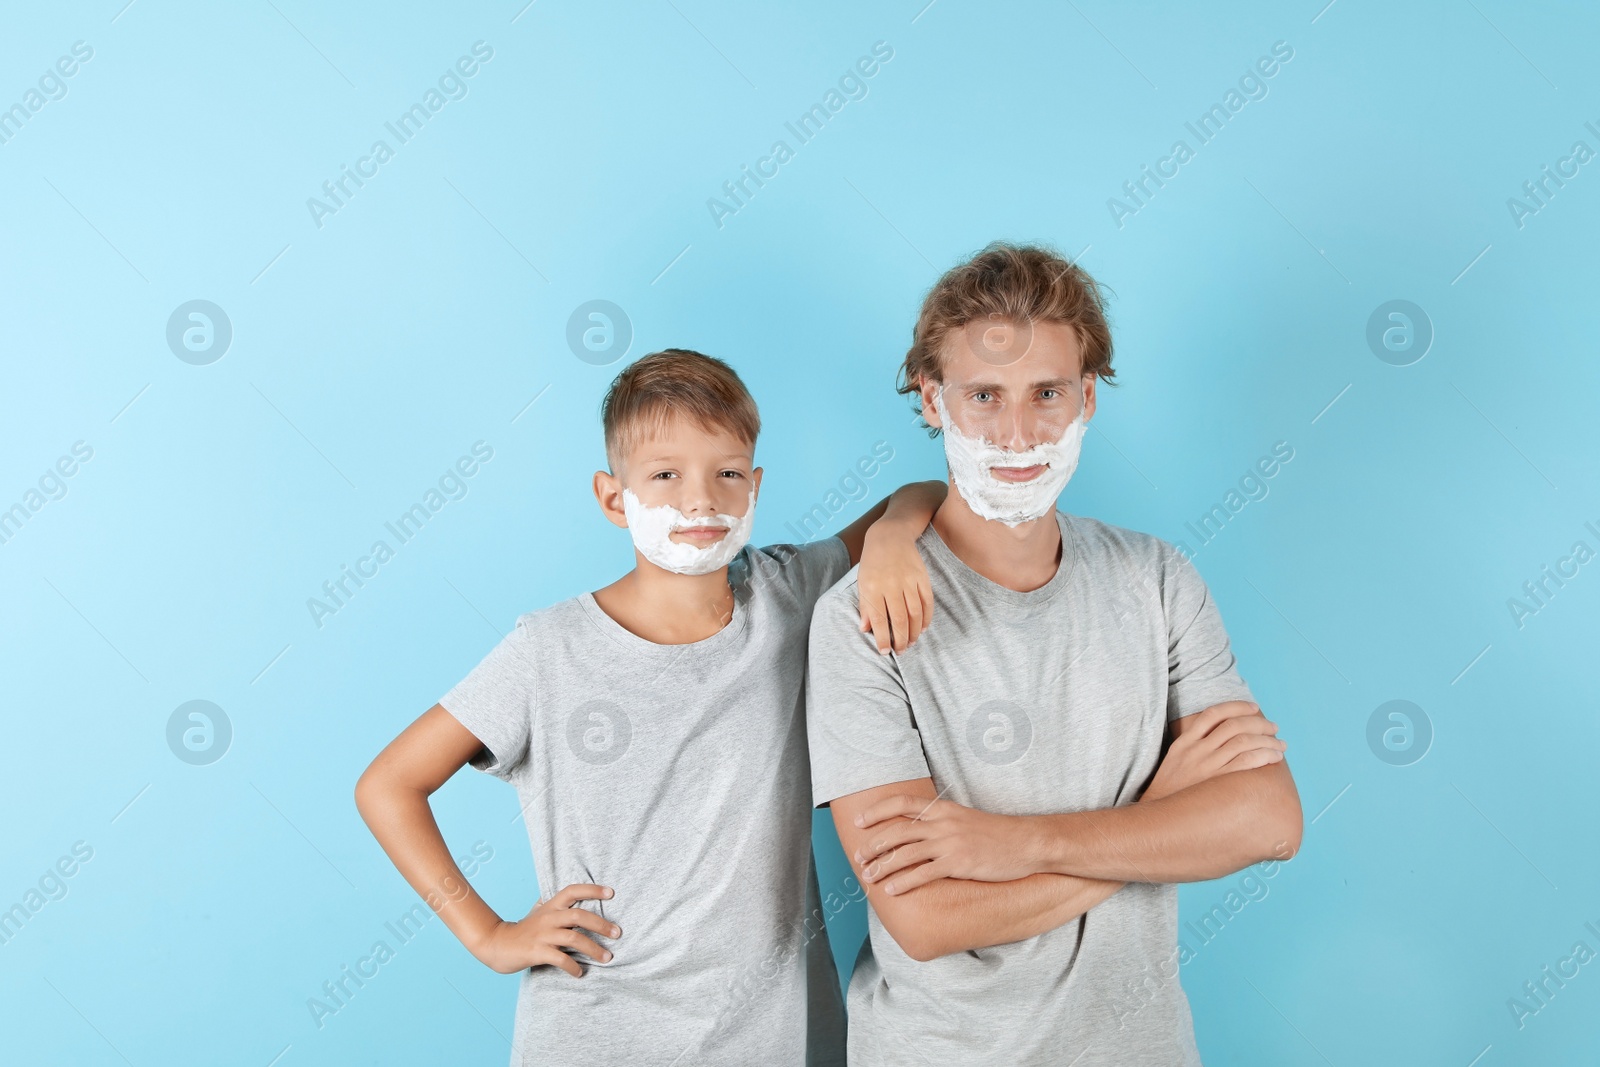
x,y
608,492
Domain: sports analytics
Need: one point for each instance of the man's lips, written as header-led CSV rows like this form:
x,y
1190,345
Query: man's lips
x,y
1018,474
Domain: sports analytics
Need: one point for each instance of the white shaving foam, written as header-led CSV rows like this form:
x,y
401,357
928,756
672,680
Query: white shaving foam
x,y
972,459
651,528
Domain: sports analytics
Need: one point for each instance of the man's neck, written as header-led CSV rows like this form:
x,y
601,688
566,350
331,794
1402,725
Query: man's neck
x,y
1023,557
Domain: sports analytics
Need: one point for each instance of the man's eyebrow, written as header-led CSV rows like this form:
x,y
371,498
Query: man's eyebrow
x,y
995,387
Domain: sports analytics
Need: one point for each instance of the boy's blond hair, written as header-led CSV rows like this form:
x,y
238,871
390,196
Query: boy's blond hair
x,y
675,383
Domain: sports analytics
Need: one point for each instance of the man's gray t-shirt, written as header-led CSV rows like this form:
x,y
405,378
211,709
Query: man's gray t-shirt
x,y
1053,700
678,776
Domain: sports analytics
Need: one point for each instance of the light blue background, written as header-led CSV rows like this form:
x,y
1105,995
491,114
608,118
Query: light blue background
x,y
425,315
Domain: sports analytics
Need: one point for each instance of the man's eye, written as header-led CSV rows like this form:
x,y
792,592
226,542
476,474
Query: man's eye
x,y
1049,394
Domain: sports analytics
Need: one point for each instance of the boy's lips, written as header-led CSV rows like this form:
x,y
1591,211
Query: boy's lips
x,y
1018,474
702,535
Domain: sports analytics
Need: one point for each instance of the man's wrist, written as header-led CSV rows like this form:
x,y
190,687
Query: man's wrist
x,y
1049,843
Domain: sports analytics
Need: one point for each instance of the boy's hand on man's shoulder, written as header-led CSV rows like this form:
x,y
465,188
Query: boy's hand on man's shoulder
x,y
896,597
548,931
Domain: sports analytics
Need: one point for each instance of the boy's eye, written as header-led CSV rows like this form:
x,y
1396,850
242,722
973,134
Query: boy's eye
x,y
735,473
664,474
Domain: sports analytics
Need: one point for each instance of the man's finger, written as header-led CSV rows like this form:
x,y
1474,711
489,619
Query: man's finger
x,y
917,876
898,806
893,836
894,860
1255,757
1217,714
1240,725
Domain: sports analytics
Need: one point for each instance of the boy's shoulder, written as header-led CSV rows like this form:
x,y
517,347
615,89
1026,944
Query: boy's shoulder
x,y
789,566
554,618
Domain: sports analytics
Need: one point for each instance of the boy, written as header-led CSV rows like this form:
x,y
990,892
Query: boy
x,y
655,731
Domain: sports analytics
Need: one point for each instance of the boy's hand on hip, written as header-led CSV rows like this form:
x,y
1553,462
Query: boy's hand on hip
x,y
549,930
940,839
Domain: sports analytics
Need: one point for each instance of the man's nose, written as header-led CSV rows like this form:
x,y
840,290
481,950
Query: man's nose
x,y
1016,430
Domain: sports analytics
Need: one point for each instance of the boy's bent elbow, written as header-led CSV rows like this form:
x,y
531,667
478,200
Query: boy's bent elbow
x,y
369,791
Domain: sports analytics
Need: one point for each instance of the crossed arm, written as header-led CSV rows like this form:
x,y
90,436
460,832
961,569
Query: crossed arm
x,y
945,878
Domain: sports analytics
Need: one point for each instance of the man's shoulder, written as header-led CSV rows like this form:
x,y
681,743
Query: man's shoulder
x,y
1111,542
842,598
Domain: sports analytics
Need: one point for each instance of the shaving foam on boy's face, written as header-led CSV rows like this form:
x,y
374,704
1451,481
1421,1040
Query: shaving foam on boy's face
x,y
652,529
973,457
690,498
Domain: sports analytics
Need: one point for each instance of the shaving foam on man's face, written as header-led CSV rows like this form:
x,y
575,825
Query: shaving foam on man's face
x,y
1018,497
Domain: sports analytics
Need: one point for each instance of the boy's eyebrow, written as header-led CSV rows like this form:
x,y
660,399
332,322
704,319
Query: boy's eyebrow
x,y
673,457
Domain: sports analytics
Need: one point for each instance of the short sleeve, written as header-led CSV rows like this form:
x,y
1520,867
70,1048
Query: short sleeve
x,y
495,702
859,724
1201,670
807,570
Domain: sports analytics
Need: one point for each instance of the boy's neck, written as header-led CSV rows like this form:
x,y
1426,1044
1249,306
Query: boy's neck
x,y
1023,557
667,608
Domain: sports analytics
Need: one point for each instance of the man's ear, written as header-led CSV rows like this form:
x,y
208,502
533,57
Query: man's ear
x,y
1088,396
930,390
608,492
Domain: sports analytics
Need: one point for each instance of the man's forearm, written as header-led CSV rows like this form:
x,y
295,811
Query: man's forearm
x,y
1206,831
956,915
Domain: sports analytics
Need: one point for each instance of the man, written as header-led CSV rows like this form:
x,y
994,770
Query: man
x,y
1067,738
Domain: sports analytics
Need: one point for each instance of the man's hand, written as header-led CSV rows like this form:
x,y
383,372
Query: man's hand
x,y
548,929
896,596
1225,737
947,840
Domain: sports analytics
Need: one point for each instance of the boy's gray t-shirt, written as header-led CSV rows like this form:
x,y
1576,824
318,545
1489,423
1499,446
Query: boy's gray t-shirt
x,y
1053,700
678,776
